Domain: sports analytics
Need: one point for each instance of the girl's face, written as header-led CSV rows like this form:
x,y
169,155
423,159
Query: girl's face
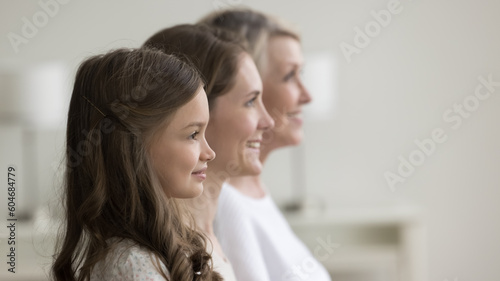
x,y
284,93
237,122
180,152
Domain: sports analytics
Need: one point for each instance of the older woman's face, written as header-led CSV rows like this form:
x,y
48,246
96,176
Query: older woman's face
x,y
284,94
238,120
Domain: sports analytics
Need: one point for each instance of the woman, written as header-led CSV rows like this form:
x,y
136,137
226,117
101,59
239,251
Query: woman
x,y
252,231
135,143
238,118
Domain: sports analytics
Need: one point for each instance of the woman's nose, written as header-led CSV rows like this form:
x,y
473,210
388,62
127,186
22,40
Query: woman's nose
x,y
266,122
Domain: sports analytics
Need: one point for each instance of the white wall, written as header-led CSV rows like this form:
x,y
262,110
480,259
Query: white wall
x,y
394,91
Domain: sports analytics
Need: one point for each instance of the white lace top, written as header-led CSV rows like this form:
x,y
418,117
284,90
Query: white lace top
x,y
128,261
131,262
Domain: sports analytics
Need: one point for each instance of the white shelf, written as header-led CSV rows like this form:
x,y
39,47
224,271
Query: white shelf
x,y
384,242
391,214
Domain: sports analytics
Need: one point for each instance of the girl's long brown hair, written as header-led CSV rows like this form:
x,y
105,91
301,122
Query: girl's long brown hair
x,y
119,101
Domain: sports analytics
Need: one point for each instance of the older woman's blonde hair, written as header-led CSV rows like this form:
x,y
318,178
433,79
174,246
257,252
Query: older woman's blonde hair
x,y
256,28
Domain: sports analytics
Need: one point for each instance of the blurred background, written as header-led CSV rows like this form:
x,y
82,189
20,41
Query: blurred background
x,y
398,176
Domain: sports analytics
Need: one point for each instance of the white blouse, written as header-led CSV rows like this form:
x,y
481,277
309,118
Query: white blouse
x,y
258,241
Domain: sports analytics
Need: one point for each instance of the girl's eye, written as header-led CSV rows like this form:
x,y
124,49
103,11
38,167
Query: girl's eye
x,y
251,102
193,135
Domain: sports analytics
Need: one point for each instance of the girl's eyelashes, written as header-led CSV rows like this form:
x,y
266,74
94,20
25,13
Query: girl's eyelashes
x,y
194,135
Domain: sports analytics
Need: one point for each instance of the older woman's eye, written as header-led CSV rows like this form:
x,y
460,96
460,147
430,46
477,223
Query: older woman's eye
x,y
290,75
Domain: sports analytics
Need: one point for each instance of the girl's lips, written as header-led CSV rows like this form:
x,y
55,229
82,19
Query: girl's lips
x,y
200,174
200,171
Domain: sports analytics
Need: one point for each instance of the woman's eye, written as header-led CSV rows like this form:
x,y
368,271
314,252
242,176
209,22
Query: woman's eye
x,y
250,102
290,75
193,135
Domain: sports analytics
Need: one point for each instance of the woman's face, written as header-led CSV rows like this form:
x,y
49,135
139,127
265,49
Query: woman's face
x,y
180,152
284,94
237,122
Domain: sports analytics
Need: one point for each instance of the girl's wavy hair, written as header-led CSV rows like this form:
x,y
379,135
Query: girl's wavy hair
x,y
215,52
119,102
253,27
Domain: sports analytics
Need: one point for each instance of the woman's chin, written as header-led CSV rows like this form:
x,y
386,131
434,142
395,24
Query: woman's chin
x,y
292,137
253,168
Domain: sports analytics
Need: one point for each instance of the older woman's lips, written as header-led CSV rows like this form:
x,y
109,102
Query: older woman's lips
x,y
295,117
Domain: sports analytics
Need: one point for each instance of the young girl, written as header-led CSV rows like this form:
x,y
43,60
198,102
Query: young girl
x,y
251,229
135,143
238,118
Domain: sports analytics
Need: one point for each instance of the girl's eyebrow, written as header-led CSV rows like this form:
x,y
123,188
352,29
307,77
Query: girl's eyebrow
x,y
195,124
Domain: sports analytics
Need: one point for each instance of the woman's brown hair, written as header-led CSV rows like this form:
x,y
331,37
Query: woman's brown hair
x,y
119,101
216,53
